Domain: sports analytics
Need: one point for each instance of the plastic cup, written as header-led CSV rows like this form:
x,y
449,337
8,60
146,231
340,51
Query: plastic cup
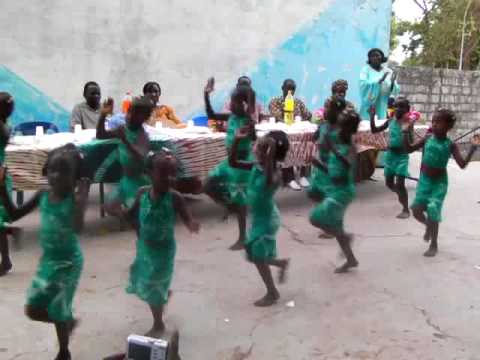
x,y
77,129
39,131
158,125
190,123
271,120
298,119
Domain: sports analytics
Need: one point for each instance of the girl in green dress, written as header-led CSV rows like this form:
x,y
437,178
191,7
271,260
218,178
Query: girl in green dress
x,y
155,210
433,183
7,105
62,208
265,217
227,185
396,157
132,150
329,214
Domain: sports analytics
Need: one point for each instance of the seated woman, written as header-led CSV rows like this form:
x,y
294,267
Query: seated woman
x,y
161,113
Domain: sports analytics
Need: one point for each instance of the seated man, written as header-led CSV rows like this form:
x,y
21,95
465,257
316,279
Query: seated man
x,y
87,113
276,107
162,113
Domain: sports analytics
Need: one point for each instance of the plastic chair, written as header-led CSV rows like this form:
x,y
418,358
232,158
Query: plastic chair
x,y
200,120
29,128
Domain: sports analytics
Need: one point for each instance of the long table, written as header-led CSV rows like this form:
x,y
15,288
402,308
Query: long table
x,y
197,152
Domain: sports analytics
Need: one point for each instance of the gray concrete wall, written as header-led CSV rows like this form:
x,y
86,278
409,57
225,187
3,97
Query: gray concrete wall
x,y
429,89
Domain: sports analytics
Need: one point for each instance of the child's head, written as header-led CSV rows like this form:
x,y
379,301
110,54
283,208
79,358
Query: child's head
x,y
92,94
139,112
162,168
275,141
333,107
340,88
401,106
348,122
153,91
289,85
244,80
443,121
7,104
242,100
63,168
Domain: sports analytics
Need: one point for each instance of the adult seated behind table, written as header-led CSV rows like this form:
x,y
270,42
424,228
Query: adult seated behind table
x,y
162,113
258,114
276,107
87,113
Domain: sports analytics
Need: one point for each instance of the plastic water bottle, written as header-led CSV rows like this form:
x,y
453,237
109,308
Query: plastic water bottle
x,y
288,109
127,101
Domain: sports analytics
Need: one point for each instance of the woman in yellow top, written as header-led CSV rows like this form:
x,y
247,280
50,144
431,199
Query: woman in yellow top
x,y
162,113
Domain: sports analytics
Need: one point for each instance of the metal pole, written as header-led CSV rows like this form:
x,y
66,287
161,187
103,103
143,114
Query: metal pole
x,y
460,65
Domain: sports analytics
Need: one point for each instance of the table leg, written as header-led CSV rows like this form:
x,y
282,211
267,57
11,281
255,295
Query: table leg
x,y
102,199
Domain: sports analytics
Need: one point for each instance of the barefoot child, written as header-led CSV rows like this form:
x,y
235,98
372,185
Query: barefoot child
x,y
7,105
62,211
396,158
329,214
156,209
132,150
433,183
264,181
226,185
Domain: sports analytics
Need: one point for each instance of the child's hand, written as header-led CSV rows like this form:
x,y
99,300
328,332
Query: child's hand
x,y
194,227
372,111
210,87
107,107
476,140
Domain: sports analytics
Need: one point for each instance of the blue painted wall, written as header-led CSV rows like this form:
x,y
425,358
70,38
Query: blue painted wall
x,y
333,46
30,103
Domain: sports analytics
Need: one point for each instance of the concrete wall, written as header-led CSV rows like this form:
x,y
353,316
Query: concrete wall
x,y
429,89
50,48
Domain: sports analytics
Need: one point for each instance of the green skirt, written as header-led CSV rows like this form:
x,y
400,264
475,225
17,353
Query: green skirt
x,y
261,244
127,188
55,284
230,182
331,211
430,195
151,273
319,183
395,164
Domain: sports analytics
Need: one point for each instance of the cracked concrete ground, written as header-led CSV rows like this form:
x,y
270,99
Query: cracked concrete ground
x,y
397,305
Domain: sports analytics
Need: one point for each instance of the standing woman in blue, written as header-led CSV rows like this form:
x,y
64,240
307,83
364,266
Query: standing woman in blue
x,y
227,185
377,84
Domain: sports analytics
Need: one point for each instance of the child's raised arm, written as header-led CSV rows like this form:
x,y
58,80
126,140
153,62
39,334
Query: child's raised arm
x,y
209,88
373,127
457,155
81,197
407,130
14,212
233,160
105,110
182,209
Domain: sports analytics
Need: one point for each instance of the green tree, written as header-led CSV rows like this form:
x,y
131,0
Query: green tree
x,y
435,40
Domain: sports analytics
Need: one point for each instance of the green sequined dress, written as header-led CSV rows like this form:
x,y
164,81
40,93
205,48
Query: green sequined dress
x,y
128,186
4,218
231,182
152,271
431,191
331,211
396,159
58,272
261,242
319,180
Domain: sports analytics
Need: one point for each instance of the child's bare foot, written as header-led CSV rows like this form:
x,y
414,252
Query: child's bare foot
x,y
5,268
325,235
64,355
405,214
428,235
239,245
267,300
431,252
282,275
346,267
156,332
